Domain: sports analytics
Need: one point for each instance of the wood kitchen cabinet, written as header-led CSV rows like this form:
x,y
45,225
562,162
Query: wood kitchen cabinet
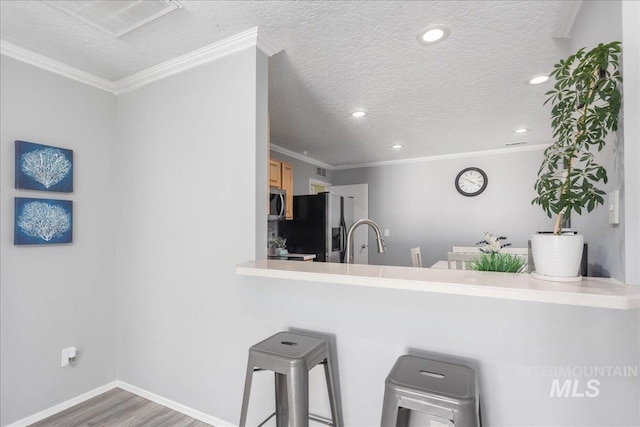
x,y
275,173
287,184
281,176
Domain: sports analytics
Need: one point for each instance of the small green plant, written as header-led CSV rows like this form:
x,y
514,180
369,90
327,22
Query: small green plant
x,y
585,106
495,261
279,242
491,258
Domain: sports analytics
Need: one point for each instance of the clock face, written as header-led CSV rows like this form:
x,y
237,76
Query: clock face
x,y
471,181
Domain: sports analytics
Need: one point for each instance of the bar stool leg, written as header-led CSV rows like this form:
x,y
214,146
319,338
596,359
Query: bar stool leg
x,y
404,415
298,393
389,411
247,393
331,387
282,407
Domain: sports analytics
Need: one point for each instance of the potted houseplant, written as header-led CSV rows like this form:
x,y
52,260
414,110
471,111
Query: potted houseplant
x,y
279,247
585,105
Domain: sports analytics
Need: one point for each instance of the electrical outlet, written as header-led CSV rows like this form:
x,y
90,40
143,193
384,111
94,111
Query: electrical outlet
x,y
68,357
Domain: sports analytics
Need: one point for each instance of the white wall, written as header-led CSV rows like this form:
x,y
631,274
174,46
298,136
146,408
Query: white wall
x,y
187,215
57,296
600,22
420,206
631,125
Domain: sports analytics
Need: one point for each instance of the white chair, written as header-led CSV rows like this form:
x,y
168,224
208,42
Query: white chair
x,y
466,250
458,261
416,257
476,249
515,251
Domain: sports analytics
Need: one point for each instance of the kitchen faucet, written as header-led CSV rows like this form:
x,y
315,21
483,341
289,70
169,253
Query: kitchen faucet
x,y
348,258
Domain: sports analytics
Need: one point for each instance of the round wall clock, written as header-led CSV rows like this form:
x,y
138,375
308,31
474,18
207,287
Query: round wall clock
x,y
471,181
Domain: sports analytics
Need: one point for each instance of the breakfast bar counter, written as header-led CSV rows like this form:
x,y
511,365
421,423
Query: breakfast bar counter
x,y
590,292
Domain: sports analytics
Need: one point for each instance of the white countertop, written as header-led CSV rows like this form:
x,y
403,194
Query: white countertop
x,y
294,257
590,292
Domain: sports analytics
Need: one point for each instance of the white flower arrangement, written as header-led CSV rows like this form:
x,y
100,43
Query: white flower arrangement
x,y
492,243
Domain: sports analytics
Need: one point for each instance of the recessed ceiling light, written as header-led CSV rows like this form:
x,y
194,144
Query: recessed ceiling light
x,y
359,114
434,34
536,80
397,146
521,130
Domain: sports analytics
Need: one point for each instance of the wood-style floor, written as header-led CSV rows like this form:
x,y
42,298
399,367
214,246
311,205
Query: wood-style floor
x,y
119,408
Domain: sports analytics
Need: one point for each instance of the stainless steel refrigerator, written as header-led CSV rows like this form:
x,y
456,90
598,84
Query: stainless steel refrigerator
x,y
319,226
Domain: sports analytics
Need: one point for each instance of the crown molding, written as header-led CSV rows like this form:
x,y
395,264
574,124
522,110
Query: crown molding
x,y
568,15
306,159
266,44
21,54
516,149
250,38
228,46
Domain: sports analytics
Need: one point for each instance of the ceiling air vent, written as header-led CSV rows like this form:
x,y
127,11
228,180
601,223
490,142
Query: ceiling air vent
x,y
321,172
511,144
116,18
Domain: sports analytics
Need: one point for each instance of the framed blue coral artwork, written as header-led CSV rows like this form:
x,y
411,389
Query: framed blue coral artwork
x,y
42,221
42,167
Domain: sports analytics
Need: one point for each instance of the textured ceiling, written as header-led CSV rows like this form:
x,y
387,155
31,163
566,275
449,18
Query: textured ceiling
x,y
464,94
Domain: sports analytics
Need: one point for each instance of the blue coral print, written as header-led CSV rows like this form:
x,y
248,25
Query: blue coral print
x,y
41,167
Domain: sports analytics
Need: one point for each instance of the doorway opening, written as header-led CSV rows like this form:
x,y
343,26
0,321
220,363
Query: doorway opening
x,y
316,186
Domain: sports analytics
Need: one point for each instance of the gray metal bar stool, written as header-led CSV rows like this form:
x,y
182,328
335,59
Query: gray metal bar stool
x,y
447,392
291,356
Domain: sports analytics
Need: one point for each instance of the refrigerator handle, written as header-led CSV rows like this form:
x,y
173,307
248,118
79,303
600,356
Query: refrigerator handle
x,y
343,241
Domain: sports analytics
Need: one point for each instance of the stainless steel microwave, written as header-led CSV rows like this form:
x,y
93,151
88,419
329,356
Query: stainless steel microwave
x,y
277,203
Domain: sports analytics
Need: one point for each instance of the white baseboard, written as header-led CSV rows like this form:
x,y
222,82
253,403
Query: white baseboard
x,y
200,416
178,407
64,405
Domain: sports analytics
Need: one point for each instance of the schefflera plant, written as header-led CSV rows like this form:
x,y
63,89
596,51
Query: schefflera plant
x,y
586,103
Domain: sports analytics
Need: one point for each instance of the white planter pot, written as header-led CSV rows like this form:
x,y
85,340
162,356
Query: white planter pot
x,y
557,257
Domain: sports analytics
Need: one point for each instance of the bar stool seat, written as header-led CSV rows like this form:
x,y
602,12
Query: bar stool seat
x,y
447,392
291,356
